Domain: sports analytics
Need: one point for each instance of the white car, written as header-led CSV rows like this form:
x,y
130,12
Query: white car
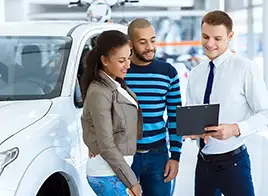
x,y
41,148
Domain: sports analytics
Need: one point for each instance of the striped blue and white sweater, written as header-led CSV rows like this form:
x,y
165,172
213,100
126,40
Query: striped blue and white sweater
x,y
157,87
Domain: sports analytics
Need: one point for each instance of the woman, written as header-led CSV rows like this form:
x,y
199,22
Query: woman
x,y
111,119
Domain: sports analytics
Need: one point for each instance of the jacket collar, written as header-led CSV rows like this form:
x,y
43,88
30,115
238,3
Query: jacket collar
x,y
113,85
108,81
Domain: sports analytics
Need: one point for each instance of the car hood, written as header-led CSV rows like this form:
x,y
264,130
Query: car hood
x,y
17,115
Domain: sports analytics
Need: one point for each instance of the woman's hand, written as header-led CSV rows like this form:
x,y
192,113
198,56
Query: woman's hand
x,y
135,190
91,155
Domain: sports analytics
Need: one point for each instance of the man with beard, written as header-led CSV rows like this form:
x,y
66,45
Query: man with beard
x,y
157,87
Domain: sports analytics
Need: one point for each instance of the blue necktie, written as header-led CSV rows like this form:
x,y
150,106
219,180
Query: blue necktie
x,y
207,93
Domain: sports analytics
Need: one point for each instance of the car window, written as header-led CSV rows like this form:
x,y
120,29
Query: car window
x,y
90,43
32,67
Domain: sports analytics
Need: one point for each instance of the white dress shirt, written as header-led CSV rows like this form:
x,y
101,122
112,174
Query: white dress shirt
x,y
97,166
239,88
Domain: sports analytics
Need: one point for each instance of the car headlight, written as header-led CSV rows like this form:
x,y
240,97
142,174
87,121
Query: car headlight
x,y
7,157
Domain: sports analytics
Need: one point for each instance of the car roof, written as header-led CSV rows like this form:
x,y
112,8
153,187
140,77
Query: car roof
x,y
45,28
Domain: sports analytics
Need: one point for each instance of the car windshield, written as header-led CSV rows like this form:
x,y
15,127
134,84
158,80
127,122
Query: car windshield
x,y
32,67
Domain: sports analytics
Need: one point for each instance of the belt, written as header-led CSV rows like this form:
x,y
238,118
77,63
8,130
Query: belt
x,y
222,157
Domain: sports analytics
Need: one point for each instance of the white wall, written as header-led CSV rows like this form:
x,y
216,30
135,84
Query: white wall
x,y
214,4
2,11
15,10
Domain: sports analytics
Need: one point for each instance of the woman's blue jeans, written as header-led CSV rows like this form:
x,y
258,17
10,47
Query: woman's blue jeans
x,y
107,186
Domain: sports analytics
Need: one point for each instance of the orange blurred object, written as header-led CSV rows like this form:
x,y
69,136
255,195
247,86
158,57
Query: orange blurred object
x,y
181,43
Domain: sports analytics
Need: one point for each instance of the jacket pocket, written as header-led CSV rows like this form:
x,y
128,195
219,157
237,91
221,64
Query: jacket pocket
x,y
118,130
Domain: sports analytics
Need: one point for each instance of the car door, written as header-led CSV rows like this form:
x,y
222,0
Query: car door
x,y
78,102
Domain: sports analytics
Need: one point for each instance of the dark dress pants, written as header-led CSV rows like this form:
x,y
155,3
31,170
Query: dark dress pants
x,y
232,176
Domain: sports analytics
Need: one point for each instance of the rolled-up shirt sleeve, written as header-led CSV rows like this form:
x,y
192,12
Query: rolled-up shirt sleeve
x,y
100,112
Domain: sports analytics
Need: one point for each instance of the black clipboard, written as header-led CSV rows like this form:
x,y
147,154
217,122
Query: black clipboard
x,y
191,120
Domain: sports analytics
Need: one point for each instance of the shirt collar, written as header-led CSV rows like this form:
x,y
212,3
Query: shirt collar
x,y
220,59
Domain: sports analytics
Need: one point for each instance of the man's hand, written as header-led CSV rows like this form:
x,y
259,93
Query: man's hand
x,y
192,137
171,170
222,132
